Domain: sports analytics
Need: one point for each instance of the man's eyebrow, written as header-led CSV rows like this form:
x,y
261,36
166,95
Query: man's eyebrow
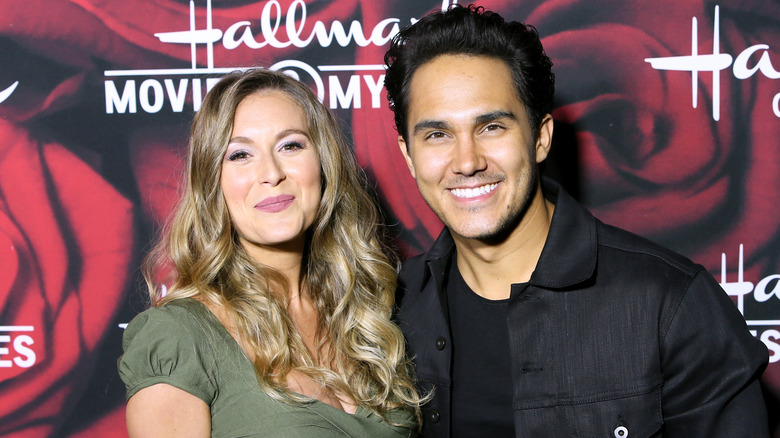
x,y
494,115
479,120
430,124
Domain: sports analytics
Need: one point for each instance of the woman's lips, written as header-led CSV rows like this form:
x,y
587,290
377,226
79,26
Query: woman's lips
x,y
274,204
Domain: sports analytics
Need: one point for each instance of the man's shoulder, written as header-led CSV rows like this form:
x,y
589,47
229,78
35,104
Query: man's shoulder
x,y
633,247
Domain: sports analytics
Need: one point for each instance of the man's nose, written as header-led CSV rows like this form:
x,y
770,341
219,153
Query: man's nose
x,y
468,158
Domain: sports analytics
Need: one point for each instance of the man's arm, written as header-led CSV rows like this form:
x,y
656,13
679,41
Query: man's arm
x,y
711,366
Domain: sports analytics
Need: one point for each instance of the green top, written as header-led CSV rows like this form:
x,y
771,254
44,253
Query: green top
x,y
184,345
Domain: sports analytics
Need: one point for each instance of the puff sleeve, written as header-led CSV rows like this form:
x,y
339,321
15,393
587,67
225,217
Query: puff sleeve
x,y
168,345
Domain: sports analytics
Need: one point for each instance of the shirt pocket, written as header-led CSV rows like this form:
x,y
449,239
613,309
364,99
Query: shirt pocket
x,y
634,414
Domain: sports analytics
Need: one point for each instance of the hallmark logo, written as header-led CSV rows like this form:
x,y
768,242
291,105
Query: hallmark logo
x,y
345,86
716,62
241,32
763,292
19,354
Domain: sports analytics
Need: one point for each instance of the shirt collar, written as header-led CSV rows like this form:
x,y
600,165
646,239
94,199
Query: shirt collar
x,y
569,254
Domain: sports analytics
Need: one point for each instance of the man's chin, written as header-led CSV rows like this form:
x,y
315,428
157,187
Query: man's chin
x,y
489,233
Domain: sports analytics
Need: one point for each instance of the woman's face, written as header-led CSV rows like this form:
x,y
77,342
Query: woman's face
x,y
271,175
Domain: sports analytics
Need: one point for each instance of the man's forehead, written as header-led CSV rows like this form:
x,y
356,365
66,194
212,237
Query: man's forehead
x,y
462,87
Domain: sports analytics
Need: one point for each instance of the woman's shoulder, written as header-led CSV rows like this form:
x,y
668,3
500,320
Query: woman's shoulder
x,y
173,344
180,315
181,324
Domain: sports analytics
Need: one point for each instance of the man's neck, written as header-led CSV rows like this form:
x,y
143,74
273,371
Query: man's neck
x,y
490,269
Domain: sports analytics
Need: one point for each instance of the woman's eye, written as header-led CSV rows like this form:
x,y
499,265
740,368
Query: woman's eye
x,y
291,146
238,155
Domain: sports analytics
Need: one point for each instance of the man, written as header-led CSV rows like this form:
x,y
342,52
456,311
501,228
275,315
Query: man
x,y
529,317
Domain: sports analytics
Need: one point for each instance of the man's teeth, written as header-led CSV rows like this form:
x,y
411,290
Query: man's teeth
x,y
473,193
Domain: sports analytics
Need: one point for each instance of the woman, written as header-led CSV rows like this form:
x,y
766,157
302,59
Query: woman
x,y
277,318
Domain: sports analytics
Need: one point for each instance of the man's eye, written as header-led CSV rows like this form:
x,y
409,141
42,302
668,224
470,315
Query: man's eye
x,y
493,127
435,135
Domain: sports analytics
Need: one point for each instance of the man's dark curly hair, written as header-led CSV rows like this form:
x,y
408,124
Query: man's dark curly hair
x,y
471,31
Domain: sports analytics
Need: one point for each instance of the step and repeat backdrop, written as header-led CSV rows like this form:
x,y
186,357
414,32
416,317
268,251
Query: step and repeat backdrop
x,y
667,124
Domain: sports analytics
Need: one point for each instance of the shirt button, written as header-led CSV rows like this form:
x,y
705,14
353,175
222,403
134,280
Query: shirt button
x,y
433,416
621,432
440,343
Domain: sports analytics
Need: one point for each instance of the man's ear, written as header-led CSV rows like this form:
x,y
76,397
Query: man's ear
x,y
544,138
405,150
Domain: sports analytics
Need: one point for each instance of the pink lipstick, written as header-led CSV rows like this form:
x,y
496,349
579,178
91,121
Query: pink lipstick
x,y
275,204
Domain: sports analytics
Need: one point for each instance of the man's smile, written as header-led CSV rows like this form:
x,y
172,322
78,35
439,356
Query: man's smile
x,y
474,192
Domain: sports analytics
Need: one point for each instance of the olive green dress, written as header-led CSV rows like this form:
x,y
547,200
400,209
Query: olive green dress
x,y
184,345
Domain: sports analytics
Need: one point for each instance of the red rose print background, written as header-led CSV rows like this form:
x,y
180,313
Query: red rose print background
x,y
667,124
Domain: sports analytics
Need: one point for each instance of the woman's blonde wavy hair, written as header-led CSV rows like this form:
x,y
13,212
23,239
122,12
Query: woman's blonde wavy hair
x,y
346,267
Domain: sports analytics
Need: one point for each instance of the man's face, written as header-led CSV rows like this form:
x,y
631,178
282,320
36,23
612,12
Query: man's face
x,y
471,147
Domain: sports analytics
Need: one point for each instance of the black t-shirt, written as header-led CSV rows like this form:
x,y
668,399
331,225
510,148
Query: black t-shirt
x,y
481,371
